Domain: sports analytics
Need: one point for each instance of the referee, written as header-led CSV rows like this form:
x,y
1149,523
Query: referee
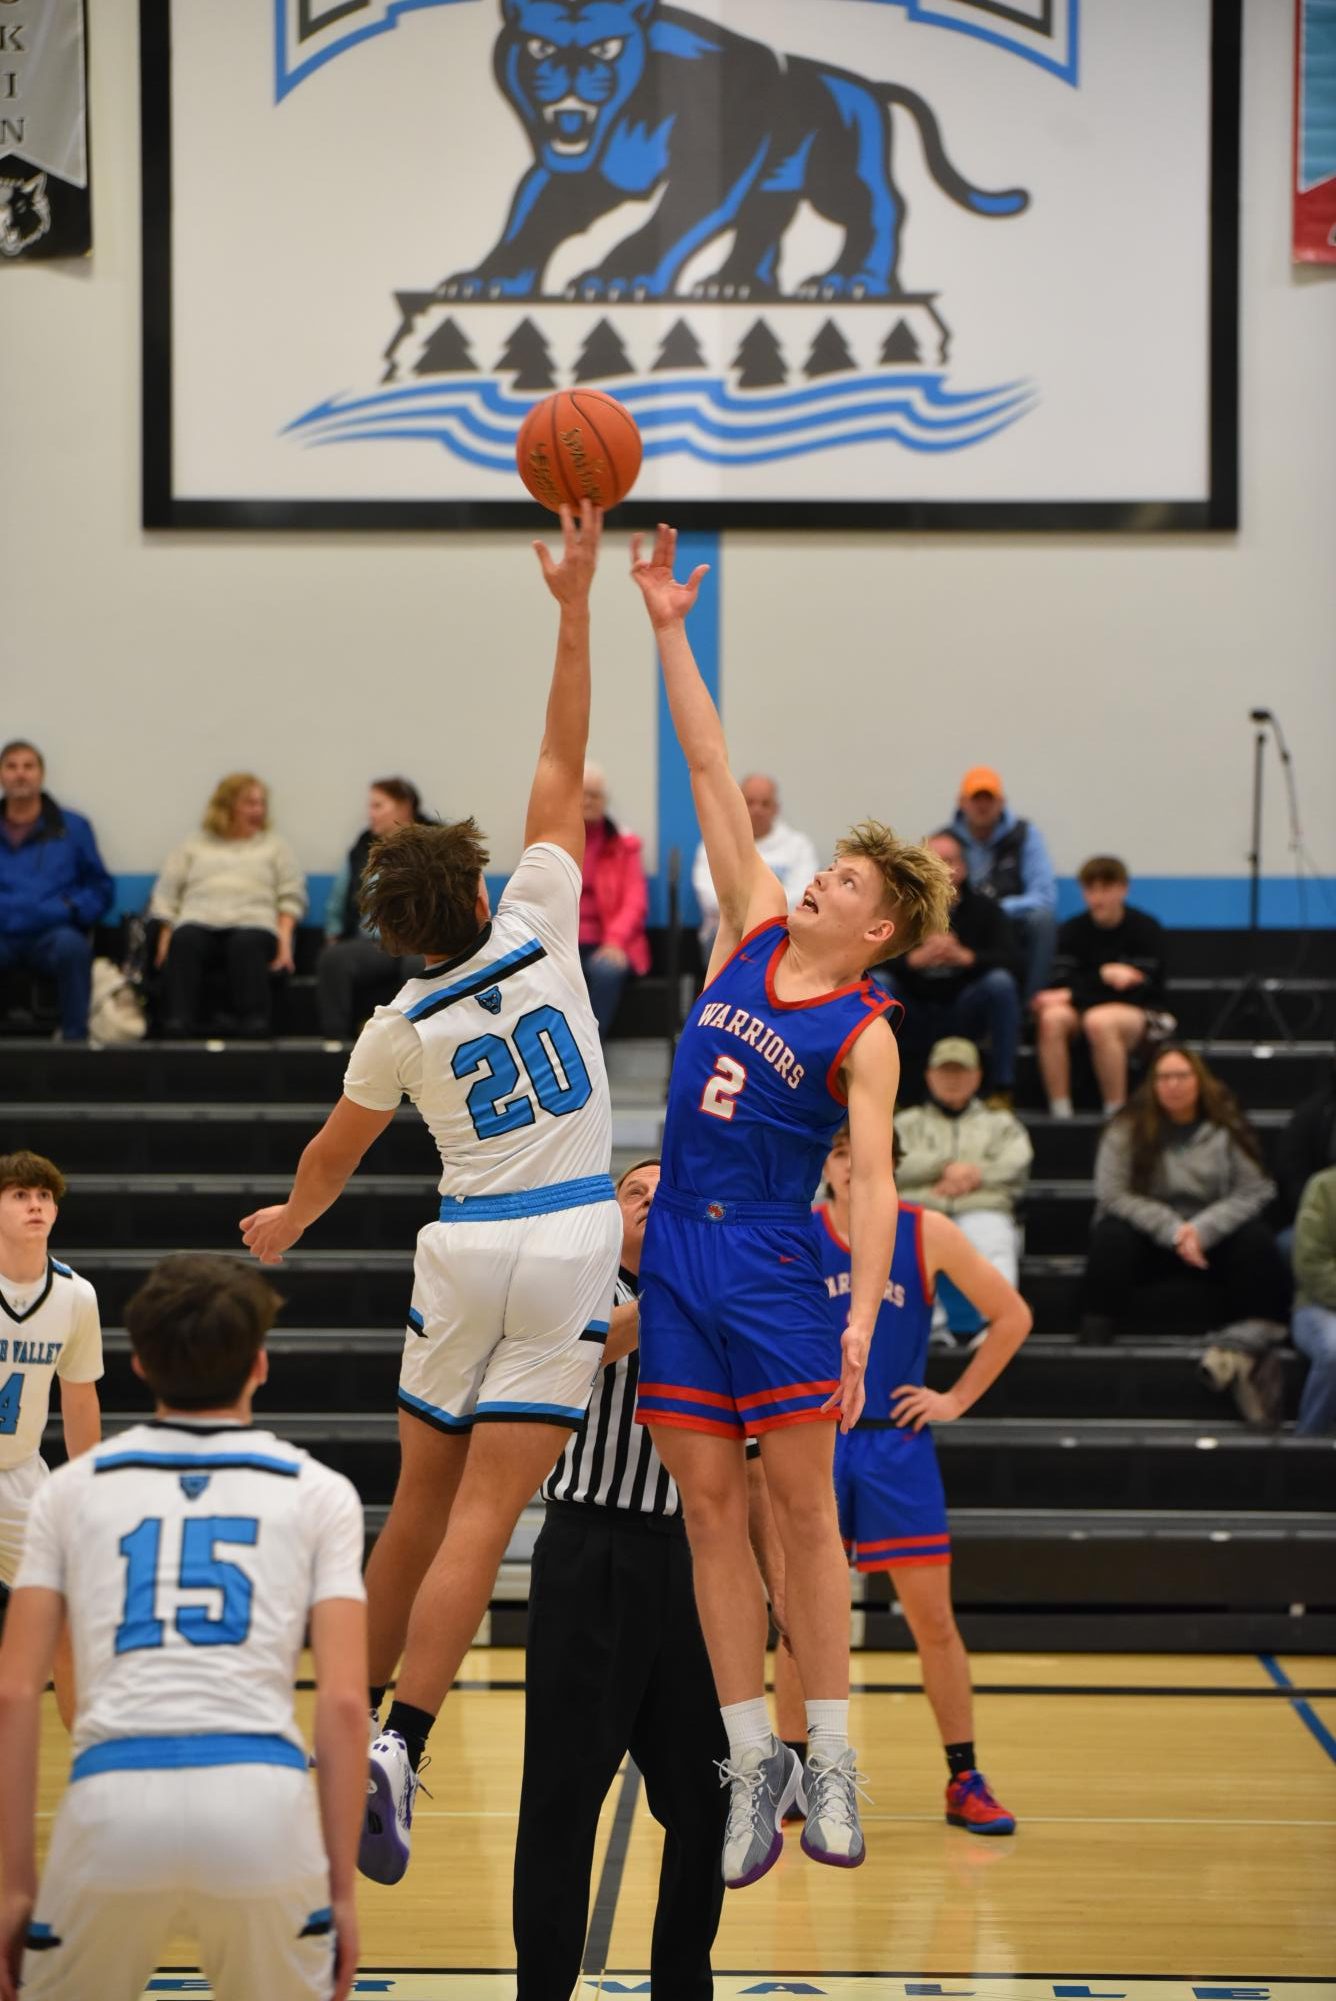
x,y
616,1663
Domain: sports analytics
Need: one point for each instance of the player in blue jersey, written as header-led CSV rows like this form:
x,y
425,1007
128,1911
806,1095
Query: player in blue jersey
x,y
887,1483
788,1039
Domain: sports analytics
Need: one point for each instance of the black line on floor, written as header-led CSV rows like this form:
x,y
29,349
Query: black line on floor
x,y
610,1880
1273,1694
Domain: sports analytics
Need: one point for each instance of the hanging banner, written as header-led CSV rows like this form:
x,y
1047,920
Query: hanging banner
x,y
1315,132
45,208
875,262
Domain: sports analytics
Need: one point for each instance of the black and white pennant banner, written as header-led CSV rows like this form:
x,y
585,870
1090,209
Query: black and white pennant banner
x,y
45,208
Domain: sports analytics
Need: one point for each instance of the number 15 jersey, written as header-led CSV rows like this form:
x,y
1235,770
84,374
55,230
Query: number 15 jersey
x,y
756,1095
499,1049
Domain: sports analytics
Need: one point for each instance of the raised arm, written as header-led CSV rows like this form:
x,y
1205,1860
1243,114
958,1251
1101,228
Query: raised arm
x,y
556,812
748,892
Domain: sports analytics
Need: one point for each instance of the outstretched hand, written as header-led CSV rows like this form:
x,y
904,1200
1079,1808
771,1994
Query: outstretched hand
x,y
569,580
666,600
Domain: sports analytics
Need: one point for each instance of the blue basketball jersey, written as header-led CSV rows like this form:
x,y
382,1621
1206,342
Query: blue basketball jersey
x,y
899,1352
755,1096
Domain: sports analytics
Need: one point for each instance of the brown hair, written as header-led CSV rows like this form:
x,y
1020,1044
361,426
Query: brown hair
x,y
918,883
31,1170
218,812
21,743
401,791
420,887
1103,868
196,1325
1149,1127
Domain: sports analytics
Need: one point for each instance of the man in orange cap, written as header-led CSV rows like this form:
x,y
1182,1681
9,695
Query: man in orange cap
x,y
1008,861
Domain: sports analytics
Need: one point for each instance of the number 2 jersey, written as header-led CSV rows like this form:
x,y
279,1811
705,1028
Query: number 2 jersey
x,y
189,1556
47,1329
499,1050
755,1096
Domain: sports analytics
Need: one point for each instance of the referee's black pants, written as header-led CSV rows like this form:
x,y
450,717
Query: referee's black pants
x,y
616,1663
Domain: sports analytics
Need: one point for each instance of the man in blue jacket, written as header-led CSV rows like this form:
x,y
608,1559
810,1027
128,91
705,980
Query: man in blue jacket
x,y
1008,861
53,887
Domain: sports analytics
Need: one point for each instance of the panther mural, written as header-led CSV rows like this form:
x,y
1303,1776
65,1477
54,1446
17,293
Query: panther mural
x,y
622,99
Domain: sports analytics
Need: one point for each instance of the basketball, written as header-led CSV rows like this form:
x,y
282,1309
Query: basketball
x,y
578,444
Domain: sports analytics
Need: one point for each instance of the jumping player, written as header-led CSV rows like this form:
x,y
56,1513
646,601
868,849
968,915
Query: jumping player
x,y
49,1328
189,1555
787,1040
497,1046
887,1482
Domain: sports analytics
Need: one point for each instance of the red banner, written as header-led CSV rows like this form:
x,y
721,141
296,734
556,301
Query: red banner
x,y
1315,132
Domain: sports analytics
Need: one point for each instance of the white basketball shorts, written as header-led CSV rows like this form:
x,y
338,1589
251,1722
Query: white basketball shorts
x,y
229,1855
18,1490
509,1318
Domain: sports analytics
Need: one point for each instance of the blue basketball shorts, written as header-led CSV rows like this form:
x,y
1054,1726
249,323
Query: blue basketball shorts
x,y
892,1505
736,1331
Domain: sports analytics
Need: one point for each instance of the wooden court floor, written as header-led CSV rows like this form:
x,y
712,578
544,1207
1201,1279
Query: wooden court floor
x,y
1177,1842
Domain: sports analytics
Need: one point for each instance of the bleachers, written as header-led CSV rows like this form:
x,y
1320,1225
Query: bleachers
x,y
1101,1497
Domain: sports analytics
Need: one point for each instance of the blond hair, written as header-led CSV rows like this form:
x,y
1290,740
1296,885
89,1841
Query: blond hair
x,y
218,812
919,890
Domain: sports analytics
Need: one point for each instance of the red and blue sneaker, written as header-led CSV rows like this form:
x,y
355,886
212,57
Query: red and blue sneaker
x,y
970,1804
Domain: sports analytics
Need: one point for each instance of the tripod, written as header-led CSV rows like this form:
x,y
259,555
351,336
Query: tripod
x,y
1255,998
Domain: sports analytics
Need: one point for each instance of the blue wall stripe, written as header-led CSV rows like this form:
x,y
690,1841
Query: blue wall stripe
x,y
1187,902
678,827
1306,1714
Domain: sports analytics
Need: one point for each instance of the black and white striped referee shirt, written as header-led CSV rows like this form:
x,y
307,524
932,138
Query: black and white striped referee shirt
x,y
612,1462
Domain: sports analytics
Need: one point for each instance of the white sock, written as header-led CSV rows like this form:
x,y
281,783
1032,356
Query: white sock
x,y
1112,1105
827,1728
748,1726
1061,1108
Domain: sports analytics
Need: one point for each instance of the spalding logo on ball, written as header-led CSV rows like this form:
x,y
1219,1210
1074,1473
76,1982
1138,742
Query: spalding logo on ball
x,y
578,444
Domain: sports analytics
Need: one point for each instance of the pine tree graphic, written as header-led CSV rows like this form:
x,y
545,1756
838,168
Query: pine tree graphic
x,y
603,355
447,352
760,359
528,356
900,346
680,349
830,353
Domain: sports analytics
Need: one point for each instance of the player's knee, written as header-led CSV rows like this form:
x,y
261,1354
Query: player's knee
x,y
933,1625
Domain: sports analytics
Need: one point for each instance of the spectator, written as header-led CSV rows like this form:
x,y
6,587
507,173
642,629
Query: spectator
x,y
53,887
232,894
1180,1188
782,848
613,904
962,981
1315,1303
968,1162
1109,971
352,957
1307,1145
1008,860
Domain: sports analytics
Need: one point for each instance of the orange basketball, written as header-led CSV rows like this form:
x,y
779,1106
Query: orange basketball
x,y
578,444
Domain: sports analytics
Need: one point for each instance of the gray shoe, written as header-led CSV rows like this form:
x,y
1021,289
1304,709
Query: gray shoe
x,y
832,1833
765,1784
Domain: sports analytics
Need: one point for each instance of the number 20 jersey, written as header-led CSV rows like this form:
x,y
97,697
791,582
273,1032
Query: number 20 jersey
x,y
755,1096
189,1556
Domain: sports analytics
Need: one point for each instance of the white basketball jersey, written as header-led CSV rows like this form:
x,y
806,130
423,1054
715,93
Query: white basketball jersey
x,y
189,1555
50,1328
499,1049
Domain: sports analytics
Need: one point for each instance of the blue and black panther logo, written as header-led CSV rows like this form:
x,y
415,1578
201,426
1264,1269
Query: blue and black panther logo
x,y
622,99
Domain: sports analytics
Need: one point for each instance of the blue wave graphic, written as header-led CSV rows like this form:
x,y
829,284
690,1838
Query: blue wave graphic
x,y
694,417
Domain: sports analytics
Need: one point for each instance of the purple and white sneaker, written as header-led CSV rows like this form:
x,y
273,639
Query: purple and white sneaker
x,y
832,1833
387,1826
765,1785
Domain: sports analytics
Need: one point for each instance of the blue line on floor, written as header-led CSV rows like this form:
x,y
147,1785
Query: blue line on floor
x,y
1306,1714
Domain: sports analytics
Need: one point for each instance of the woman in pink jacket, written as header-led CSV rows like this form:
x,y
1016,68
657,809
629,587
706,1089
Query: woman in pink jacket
x,y
613,904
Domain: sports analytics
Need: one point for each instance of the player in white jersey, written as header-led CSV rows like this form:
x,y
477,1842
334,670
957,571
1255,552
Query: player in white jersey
x,y
498,1048
189,1554
49,1328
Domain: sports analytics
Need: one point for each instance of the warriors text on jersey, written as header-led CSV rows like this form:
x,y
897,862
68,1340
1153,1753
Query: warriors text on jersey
x,y
499,1049
887,1483
755,1096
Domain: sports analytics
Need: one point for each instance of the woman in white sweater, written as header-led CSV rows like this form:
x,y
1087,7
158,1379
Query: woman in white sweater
x,y
230,895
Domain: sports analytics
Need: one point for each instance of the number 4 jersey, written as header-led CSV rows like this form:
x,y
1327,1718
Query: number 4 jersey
x,y
189,1556
499,1049
756,1096
47,1329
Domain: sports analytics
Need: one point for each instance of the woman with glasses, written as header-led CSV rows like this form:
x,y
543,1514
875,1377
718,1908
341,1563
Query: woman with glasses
x,y
1180,1188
